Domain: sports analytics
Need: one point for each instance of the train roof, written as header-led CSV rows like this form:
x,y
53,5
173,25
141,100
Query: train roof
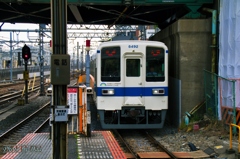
x,y
130,42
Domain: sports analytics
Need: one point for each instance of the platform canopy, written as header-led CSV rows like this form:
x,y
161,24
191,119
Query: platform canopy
x,y
108,12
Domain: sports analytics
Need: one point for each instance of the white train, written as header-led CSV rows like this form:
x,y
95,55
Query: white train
x,y
131,84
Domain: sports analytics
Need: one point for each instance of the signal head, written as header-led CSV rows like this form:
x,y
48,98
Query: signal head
x,y
26,54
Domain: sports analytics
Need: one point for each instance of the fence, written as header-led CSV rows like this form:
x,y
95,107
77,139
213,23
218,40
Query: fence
x,y
6,73
222,97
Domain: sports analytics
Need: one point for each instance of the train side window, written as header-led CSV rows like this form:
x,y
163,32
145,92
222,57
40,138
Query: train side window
x,y
133,67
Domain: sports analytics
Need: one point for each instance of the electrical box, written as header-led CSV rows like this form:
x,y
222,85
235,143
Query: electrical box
x,y
25,75
60,69
61,114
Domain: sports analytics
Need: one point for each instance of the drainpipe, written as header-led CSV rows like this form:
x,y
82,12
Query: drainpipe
x,y
214,41
214,50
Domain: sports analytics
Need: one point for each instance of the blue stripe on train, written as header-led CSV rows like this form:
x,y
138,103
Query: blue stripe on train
x,y
132,91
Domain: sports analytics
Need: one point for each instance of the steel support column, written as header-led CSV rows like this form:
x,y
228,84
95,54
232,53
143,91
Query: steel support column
x,y
78,56
59,46
87,65
82,61
41,54
11,58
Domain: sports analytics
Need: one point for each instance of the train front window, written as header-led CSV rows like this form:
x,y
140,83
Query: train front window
x,y
110,64
155,64
133,68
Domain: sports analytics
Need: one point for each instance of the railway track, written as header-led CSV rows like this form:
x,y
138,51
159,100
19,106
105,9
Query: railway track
x,y
2,85
4,100
17,94
8,87
44,127
158,144
31,124
141,145
10,97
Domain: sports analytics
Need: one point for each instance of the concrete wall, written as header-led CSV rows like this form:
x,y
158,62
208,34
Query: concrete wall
x,y
189,42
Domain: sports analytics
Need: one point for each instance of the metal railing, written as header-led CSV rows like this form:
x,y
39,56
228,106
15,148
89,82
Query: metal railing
x,y
220,96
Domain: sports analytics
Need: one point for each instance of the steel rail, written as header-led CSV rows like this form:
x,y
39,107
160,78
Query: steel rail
x,y
151,138
126,144
23,121
41,126
14,96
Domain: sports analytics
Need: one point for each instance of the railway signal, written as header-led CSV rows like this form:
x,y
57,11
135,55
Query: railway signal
x,y
26,54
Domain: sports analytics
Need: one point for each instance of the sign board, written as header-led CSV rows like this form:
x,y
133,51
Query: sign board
x,y
61,114
72,99
25,75
149,33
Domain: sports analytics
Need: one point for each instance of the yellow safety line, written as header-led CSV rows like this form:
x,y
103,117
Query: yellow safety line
x,y
23,91
34,78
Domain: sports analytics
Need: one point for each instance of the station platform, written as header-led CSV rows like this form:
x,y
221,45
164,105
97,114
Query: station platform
x,y
101,144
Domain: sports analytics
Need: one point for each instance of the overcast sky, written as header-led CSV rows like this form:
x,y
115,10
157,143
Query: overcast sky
x,y
21,35
24,36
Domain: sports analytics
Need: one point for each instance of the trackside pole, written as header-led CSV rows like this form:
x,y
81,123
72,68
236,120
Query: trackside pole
x,y
81,110
26,76
82,99
82,115
60,78
88,85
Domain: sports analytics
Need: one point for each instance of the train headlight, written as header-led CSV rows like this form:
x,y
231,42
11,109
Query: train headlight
x,y
158,91
108,92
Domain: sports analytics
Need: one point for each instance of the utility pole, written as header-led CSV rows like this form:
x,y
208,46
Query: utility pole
x,y
60,78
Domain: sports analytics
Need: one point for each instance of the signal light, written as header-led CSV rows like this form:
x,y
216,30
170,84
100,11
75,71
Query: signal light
x,y
26,54
87,45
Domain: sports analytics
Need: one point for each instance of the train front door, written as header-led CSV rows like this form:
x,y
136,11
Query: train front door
x,y
133,81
